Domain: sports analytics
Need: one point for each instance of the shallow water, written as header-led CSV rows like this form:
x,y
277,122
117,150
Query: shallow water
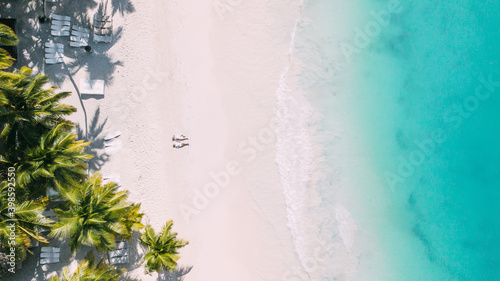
x,y
405,97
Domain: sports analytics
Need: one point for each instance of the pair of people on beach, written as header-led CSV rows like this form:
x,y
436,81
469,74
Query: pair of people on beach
x,y
180,141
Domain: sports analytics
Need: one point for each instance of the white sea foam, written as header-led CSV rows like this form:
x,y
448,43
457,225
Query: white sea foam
x,y
347,227
312,65
294,157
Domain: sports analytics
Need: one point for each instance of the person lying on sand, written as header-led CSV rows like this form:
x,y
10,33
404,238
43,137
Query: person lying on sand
x,y
179,137
180,144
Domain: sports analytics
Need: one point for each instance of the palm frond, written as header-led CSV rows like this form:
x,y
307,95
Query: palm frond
x,y
7,36
96,215
162,248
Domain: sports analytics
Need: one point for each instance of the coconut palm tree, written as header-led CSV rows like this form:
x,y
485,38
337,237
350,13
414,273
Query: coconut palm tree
x,y
7,38
95,215
26,218
27,111
88,270
58,161
162,248
27,215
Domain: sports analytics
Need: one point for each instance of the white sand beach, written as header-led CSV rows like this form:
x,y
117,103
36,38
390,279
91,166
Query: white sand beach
x,y
209,70
221,70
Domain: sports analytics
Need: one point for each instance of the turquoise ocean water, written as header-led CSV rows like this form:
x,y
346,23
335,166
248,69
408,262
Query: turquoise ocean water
x,y
407,98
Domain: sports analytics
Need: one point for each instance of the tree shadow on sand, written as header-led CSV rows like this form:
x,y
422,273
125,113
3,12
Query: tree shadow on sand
x,y
122,6
30,32
135,258
98,64
97,141
33,35
177,275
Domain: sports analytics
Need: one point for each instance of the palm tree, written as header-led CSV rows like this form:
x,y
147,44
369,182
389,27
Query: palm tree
x,y
58,161
95,215
88,270
28,219
162,248
27,111
7,38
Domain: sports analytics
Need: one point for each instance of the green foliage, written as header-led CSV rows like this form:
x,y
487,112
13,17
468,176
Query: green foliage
x,y
29,119
58,161
6,60
28,222
7,38
34,134
88,270
95,215
132,220
27,111
162,248
27,214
